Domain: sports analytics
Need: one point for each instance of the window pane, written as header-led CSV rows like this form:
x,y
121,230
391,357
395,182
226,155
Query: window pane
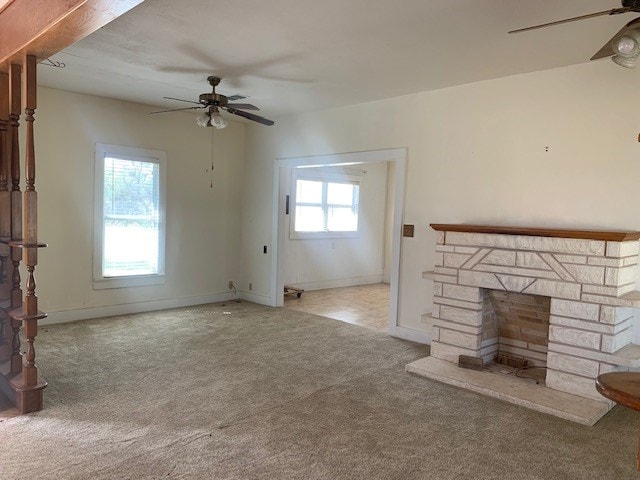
x,y
131,217
341,193
309,219
308,191
342,219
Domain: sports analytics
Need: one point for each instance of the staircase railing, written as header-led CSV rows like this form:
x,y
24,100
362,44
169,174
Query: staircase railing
x,y
19,314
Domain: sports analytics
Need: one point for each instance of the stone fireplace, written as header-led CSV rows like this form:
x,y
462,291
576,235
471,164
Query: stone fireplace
x,y
560,299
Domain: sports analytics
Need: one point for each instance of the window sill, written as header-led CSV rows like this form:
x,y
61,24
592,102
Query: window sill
x,y
124,282
321,235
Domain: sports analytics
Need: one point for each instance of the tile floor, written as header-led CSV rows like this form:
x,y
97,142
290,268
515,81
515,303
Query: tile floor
x,y
364,305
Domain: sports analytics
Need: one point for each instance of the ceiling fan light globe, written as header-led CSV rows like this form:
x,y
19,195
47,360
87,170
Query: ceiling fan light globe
x,y
222,123
217,120
625,46
203,120
626,62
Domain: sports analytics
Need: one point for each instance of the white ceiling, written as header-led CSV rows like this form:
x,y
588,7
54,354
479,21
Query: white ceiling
x,y
292,56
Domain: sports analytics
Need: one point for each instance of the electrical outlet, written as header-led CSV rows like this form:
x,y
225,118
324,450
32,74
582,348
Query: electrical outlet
x,y
407,230
231,285
250,286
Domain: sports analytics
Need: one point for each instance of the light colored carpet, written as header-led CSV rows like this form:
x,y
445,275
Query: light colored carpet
x,y
248,392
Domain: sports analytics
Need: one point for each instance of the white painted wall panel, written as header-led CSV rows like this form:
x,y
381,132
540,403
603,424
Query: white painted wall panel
x,y
203,223
476,154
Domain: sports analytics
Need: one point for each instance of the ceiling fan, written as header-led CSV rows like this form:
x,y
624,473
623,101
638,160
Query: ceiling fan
x,y
213,102
624,47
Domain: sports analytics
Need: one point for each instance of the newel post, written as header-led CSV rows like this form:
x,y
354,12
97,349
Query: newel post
x,y
30,233
30,396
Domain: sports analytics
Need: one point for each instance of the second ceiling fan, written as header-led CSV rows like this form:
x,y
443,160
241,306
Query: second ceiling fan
x,y
213,102
624,46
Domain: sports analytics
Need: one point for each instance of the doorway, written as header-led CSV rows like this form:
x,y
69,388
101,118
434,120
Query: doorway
x,y
344,247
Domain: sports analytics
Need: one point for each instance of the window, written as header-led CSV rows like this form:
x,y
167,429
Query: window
x,y
129,217
325,207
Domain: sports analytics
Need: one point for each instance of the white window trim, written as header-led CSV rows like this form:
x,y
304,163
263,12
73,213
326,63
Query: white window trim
x,y
320,177
131,153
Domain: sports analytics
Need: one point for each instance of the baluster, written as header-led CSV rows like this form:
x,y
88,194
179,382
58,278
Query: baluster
x,y
6,336
30,326
16,209
30,239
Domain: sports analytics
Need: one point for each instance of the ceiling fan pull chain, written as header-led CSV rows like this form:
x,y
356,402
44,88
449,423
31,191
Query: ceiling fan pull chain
x,y
212,143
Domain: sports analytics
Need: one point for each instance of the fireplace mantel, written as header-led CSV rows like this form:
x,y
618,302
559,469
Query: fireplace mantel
x,y
607,235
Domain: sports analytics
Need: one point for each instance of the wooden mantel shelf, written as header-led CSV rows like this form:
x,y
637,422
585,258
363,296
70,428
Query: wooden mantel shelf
x,y
608,235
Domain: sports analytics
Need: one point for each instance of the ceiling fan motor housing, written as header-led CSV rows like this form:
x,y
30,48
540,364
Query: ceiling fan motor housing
x,y
214,99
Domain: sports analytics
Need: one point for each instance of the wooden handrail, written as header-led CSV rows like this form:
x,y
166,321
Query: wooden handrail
x,y
44,27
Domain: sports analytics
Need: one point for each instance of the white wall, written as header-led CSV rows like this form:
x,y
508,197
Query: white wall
x,y
325,263
388,221
476,154
203,224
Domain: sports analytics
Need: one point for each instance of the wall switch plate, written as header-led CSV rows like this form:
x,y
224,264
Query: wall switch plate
x,y
264,249
408,230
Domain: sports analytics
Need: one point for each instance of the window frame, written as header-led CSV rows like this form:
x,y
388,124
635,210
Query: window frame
x,y
158,157
325,179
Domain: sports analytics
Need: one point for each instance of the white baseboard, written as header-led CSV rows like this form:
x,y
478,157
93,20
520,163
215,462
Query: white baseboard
x,y
65,316
256,298
413,335
339,282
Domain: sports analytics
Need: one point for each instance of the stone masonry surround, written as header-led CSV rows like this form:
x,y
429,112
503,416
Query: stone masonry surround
x,y
590,282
